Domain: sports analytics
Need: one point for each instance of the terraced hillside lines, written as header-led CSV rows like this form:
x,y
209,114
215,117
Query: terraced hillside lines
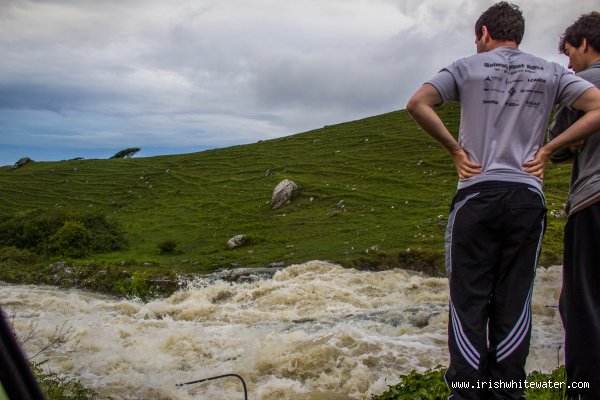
x,y
373,191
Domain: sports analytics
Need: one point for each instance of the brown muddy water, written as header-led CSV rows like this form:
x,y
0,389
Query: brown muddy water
x,y
311,331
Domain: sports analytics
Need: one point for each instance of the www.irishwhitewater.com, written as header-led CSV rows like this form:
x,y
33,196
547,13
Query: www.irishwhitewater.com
x,y
549,384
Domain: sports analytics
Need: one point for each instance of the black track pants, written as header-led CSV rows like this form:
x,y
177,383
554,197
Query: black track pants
x,y
580,302
493,241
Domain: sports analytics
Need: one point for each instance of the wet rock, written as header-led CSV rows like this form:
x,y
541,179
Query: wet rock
x,y
277,264
283,193
420,319
243,274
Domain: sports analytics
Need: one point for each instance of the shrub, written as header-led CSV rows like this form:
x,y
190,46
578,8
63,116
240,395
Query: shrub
x,y
71,240
61,388
33,229
426,386
167,246
16,255
30,229
135,286
105,236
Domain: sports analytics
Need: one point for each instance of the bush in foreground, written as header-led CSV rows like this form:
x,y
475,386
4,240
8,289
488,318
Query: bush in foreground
x,y
61,388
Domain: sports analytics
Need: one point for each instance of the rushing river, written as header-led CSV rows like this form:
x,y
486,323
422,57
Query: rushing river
x,y
313,331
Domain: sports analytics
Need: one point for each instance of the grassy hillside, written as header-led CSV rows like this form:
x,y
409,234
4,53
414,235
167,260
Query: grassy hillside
x,y
395,182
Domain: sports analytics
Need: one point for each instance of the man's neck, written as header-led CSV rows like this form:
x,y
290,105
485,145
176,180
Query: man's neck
x,y
594,59
494,44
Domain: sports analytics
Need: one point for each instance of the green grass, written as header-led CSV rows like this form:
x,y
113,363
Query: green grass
x,y
396,182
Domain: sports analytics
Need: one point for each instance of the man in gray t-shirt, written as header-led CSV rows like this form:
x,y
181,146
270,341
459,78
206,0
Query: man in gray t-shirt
x,y
497,219
580,295
506,97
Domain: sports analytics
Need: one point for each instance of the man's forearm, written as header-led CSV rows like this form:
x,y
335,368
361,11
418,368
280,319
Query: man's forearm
x,y
430,122
421,109
585,126
420,106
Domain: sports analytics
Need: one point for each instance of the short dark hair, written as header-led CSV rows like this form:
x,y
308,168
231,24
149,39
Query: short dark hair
x,y
586,27
504,21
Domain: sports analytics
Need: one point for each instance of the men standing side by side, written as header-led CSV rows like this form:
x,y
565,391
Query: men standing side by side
x,y
580,297
497,219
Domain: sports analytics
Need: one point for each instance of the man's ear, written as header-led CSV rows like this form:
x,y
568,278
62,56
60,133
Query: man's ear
x,y
485,34
584,45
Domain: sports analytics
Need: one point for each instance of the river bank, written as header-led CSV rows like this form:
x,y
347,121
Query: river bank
x,y
152,280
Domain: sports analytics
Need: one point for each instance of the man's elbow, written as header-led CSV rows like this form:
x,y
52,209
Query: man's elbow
x,y
426,97
413,105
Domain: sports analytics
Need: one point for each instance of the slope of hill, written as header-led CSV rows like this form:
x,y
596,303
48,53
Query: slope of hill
x,y
395,182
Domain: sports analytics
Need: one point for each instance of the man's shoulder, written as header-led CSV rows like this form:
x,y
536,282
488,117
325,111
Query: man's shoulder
x,y
532,58
592,74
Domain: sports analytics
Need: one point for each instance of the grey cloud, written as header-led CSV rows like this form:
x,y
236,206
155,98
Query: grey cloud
x,y
226,72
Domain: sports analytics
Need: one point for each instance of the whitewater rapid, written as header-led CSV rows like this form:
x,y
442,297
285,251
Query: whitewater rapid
x,y
312,331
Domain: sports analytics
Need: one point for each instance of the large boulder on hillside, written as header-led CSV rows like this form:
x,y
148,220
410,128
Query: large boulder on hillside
x,y
238,241
283,193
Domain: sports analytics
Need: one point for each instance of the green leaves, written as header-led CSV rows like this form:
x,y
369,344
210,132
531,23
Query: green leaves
x,y
56,387
72,234
429,385
71,240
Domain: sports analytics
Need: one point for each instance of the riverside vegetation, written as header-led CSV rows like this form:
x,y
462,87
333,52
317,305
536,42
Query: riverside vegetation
x,y
374,194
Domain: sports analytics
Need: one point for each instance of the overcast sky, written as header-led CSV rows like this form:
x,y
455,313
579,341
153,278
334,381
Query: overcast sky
x,y
86,78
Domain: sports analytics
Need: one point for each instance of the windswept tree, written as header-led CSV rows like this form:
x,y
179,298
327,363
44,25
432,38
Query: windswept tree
x,y
127,153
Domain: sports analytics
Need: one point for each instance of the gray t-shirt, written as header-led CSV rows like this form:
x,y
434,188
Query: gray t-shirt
x,y
506,99
585,177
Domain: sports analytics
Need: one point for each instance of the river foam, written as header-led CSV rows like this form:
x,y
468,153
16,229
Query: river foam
x,y
312,331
